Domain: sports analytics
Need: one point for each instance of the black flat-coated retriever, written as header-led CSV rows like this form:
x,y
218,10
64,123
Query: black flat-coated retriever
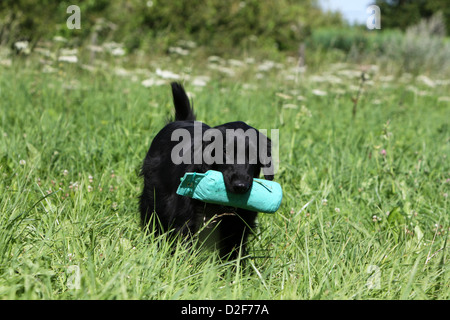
x,y
169,158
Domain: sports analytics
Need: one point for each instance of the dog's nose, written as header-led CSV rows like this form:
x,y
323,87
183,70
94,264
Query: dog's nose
x,y
240,187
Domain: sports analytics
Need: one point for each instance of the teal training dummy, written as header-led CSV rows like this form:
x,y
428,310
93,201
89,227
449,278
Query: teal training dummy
x,y
264,195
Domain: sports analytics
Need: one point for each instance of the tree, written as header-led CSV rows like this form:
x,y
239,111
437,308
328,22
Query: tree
x,y
403,13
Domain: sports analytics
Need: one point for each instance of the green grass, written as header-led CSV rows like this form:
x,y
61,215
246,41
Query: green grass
x,y
72,143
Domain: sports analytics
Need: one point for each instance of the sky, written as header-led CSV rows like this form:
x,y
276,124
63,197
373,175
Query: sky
x,y
352,10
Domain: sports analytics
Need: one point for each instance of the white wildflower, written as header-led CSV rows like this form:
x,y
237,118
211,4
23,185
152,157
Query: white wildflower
x,y
59,39
178,50
121,72
118,52
198,82
43,51
228,71
21,45
425,80
94,48
266,65
215,59
283,96
69,59
318,92
350,73
165,74
152,82
68,52
187,44
236,63
6,62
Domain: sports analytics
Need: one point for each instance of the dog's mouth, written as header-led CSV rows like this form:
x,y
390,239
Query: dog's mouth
x,y
238,187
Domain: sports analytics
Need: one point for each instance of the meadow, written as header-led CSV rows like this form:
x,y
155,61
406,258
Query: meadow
x,y
363,163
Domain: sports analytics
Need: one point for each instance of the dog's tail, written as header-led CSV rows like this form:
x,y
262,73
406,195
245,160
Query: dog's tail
x,y
183,110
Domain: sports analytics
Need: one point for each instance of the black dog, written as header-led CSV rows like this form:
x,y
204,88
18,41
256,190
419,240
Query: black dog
x,y
227,227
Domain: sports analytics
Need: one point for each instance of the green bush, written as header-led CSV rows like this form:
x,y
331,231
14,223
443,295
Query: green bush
x,y
282,24
339,38
422,48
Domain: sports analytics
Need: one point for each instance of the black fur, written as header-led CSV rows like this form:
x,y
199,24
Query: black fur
x,y
227,227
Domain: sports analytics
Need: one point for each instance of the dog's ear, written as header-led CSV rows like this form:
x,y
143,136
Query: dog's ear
x,y
265,160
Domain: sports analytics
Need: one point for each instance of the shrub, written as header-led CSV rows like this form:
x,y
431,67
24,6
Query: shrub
x,y
422,48
214,23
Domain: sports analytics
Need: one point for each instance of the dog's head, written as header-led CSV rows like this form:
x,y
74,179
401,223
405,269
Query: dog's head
x,y
240,152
